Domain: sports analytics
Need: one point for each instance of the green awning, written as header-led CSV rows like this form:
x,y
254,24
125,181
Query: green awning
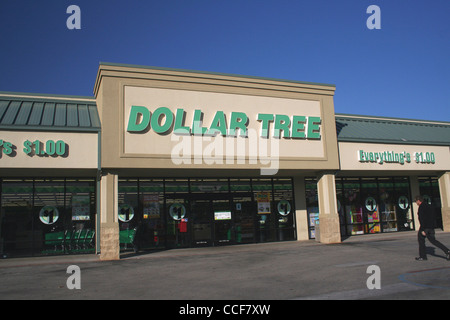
x,y
48,114
365,129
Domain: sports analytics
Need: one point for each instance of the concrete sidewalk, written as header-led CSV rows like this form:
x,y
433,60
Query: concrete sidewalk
x,y
267,271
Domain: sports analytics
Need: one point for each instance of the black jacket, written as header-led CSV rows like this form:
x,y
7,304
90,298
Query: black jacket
x,y
427,218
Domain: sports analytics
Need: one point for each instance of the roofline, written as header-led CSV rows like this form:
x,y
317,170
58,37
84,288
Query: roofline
x,y
386,141
50,128
89,102
406,120
213,73
47,97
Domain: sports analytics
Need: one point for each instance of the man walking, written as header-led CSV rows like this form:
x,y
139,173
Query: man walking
x,y
426,230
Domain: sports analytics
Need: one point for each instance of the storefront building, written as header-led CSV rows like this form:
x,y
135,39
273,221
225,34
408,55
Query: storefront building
x,y
48,174
385,163
165,158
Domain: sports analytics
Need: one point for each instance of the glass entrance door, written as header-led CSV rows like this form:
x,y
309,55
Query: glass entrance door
x,y
212,221
244,209
202,219
223,223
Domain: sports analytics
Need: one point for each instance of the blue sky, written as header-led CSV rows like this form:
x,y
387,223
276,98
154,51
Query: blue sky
x,y
401,70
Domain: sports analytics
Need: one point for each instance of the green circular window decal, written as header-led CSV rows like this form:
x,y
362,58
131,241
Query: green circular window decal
x,y
49,215
403,202
177,211
371,204
126,213
284,207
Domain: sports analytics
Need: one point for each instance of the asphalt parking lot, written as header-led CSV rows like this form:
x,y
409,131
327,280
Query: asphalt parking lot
x,y
271,271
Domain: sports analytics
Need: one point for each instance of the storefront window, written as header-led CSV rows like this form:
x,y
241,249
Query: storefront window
x,y
47,216
243,208
266,220
16,218
150,232
403,202
387,204
312,205
174,213
284,208
352,206
429,189
340,208
178,213
373,205
370,205
141,214
127,212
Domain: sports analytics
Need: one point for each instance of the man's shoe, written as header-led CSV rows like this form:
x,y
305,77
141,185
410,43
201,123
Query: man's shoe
x,y
421,259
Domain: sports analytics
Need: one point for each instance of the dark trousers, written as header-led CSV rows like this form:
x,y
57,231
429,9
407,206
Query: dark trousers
x,y
430,236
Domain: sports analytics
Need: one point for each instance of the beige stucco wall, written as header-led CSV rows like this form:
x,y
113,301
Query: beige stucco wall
x,y
81,150
301,214
109,223
151,144
118,88
349,154
444,188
